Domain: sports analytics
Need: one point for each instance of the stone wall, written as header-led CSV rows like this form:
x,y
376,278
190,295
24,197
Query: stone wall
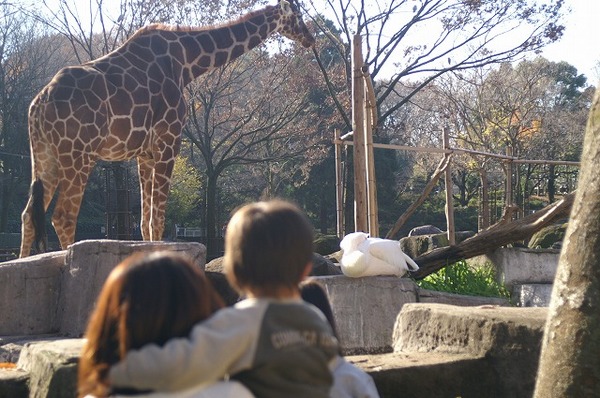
x,y
55,292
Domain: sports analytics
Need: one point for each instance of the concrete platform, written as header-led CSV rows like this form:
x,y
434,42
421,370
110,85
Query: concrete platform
x,y
428,375
516,265
365,310
54,293
532,294
30,294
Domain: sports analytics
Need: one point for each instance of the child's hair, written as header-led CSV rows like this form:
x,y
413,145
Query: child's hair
x,y
147,298
267,246
314,293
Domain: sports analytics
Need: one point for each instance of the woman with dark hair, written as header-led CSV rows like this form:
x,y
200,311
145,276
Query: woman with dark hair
x,y
148,298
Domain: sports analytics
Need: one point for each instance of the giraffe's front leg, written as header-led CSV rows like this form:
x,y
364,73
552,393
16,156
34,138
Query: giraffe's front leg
x,y
146,171
165,147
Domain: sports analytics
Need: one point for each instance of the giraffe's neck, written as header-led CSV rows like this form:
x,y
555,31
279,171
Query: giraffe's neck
x,y
208,49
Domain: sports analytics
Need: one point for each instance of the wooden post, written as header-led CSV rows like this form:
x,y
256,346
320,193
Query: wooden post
x,y
339,193
360,175
449,202
370,159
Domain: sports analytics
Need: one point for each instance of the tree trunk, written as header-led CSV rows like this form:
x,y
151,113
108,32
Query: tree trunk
x,y
6,199
211,216
551,184
499,234
518,190
461,183
570,358
323,214
484,216
426,191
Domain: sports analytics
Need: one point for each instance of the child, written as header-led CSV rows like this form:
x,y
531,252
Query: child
x,y
349,381
272,342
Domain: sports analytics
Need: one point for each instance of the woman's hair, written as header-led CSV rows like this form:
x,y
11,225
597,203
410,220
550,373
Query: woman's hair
x,y
147,298
267,246
314,293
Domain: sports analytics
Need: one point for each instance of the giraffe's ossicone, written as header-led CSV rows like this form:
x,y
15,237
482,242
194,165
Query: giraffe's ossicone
x,y
130,104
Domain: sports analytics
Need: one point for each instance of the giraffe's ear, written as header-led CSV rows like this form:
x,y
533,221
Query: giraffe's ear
x,y
286,7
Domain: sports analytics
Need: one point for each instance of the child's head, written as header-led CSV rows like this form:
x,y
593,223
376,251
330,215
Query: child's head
x,y
268,247
147,298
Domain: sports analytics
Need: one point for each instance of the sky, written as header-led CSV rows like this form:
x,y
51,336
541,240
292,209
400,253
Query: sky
x,y
580,44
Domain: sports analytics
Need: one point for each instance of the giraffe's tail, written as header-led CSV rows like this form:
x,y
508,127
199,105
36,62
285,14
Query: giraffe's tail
x,y
38,215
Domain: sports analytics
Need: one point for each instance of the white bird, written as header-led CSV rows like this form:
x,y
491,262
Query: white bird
x,y
366,256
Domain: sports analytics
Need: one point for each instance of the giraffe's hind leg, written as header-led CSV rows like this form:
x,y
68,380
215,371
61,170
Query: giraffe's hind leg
x,y
28,230
33,217
145,170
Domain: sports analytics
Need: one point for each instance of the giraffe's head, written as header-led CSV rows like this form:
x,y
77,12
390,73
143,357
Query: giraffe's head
x,y
291,24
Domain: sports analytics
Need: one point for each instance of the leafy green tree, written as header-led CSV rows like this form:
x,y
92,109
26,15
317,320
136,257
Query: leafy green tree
x,y
563,113
184,195
243,114
536,108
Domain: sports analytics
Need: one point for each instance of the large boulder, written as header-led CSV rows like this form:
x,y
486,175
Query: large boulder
x,y
453,351
322,266
214,272
418,245
548,237
52,367
425,230
327,244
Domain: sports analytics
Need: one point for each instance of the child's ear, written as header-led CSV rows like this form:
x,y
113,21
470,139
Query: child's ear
x,y
307,270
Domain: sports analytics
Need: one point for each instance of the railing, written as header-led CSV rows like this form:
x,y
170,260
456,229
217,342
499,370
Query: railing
x,y
189,232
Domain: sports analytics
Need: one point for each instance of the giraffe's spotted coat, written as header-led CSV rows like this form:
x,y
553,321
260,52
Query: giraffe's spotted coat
x,y
130,104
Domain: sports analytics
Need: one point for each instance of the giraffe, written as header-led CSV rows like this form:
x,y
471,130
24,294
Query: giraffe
x,y
130,104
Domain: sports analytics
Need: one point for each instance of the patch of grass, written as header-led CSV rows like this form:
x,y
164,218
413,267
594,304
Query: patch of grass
x,y
460,278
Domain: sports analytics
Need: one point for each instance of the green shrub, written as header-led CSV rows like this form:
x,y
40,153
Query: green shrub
x,y
460,278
